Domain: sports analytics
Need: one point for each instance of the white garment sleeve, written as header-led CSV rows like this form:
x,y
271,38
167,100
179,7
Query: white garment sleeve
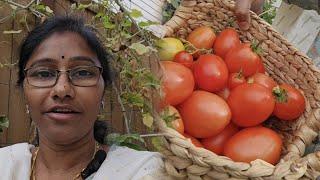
x,y
123,163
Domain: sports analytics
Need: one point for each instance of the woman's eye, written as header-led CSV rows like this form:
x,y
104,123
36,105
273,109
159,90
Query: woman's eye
x,y
43,74
83,73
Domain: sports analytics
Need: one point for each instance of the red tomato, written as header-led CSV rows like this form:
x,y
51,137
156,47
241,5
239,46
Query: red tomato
x,y
210,73
290,103
224,93
242,58
263,80
177,123
216,143
254,143
184,58
194,141
202,37
250,104
261,68
235,79
204,114
226,40
177,78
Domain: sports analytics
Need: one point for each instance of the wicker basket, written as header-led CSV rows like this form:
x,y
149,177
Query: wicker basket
x,y
284,63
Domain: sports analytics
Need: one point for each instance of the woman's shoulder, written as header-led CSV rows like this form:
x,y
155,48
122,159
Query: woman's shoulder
x,y
20,148
123,150
18,159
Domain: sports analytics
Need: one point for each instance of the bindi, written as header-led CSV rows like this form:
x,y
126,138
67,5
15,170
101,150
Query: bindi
x,y
62,57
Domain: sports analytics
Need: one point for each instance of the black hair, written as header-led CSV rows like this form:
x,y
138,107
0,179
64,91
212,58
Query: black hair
x,y
73,24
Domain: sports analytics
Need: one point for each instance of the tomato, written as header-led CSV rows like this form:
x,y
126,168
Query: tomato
x,y
216,143
184,58
226,40
263,80
254,143
168,48
177,122
261,68
250,104
204,114
290,103
194,141
210,73
202,37
224,93
242,58
235,79
177,78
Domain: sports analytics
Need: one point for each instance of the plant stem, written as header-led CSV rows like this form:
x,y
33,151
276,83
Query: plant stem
x,y
151,135
123,109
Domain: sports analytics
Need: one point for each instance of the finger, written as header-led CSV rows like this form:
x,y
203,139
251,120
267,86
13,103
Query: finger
x,y
257,6
242,9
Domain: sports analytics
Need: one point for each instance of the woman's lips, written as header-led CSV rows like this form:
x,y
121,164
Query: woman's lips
x,y
62,116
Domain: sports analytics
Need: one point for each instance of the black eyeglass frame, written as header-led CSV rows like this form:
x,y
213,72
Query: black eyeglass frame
x,y
25,71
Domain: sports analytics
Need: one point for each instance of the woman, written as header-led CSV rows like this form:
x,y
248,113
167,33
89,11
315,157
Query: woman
x,y
63,72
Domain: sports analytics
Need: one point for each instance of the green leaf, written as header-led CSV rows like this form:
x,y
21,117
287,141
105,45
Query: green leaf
x,y
147,120
12,32
157,142
40,7
83,6
126,23
4,122
147,23
134,99
134,146
175,3
107,24
118,139
135,13
99,15
139,48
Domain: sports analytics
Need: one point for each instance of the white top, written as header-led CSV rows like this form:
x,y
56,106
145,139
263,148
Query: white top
x,y
122,163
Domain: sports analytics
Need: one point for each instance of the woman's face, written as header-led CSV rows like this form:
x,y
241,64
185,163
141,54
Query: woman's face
x,y
64,113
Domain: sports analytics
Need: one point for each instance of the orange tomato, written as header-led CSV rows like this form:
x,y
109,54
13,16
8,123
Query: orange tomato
x,y
250,104
263,80
254,143
290,103
204,114
202,37
178,82
216,143
226,40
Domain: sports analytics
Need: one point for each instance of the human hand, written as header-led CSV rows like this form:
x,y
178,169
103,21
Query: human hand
x,y
242,9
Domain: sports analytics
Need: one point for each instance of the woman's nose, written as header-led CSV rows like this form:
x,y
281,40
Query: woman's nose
x,y
63,87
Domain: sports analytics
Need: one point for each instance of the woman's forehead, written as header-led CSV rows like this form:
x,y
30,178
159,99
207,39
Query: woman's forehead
x,y
63,46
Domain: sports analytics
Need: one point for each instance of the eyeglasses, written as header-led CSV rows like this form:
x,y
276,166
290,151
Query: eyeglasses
x,y
44,77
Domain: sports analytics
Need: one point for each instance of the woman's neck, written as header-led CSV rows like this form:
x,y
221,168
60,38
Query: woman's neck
x,y
56,159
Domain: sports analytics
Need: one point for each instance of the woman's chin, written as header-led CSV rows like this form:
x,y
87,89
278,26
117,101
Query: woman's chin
x,y
64,136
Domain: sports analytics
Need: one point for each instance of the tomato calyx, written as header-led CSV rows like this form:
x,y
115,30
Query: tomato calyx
x,y
230,23
280,94
239,74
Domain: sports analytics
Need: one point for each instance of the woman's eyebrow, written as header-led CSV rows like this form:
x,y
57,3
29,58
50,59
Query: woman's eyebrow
x,y
42,61
83,58
51,60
